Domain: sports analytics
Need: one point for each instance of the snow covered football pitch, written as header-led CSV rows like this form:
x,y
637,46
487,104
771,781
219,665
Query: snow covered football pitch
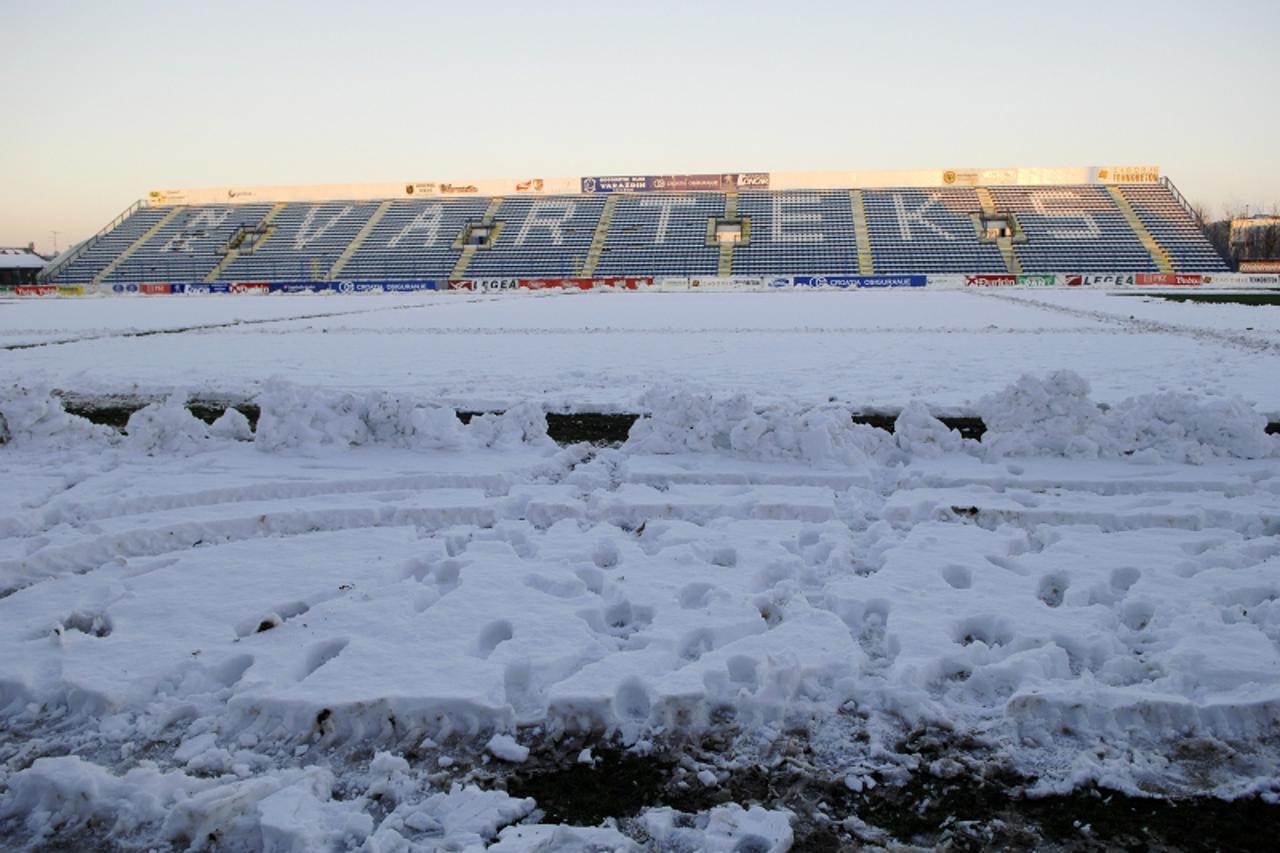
x,y
366,625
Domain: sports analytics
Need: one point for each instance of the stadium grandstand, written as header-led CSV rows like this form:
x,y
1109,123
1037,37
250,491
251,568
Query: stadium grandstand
x,y
981,221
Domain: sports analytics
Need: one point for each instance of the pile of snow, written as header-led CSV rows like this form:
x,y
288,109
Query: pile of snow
x,y
684,421
1056,416
297,417
36,416
167,427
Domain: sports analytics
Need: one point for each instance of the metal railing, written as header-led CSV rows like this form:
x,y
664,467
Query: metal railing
x,y
1182,200
47,274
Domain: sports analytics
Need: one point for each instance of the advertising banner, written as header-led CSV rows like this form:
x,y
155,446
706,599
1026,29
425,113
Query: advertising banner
x,y
990,280
1040,279
71,290
490,285
36,290
849,281
719,182
1170,279
1096,279
627,283
716,282
202,289
250,287
1129,174
1260,266
892,280
499,284
300,287
155,289
395,286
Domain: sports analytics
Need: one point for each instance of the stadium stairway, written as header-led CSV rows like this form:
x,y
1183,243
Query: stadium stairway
x,y
601,235
232,254
1158,254
725,266
469,251
862,234
358,240
1004,244
135,246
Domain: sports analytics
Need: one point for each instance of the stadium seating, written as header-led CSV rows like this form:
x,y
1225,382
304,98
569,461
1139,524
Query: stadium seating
x,y
99,255
1077,228
190,245
414,239
305,242
928,231
792,231
1061,228
663,234
547,236
1171,226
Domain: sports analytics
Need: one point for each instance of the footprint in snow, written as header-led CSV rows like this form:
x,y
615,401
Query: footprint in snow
x,y
1052,589
493,635
320,654
958,577
271,619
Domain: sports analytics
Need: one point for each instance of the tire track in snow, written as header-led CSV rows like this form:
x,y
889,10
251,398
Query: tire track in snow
x,y
87,555
45,517
206,327
1236,339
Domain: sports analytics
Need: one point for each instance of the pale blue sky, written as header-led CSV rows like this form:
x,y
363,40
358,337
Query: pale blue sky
x,y
102,101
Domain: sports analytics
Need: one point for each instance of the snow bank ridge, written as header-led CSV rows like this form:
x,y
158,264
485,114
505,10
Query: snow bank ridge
x,y
297,417
684,421
1055,416
292,417
1035,416
35,416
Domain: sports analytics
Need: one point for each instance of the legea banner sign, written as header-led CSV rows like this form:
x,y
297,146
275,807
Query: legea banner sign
x,y
720,182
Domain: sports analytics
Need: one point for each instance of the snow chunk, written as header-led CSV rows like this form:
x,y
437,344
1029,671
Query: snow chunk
x,y
167,427
232,425
541,838
506,748
918,432
724,829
